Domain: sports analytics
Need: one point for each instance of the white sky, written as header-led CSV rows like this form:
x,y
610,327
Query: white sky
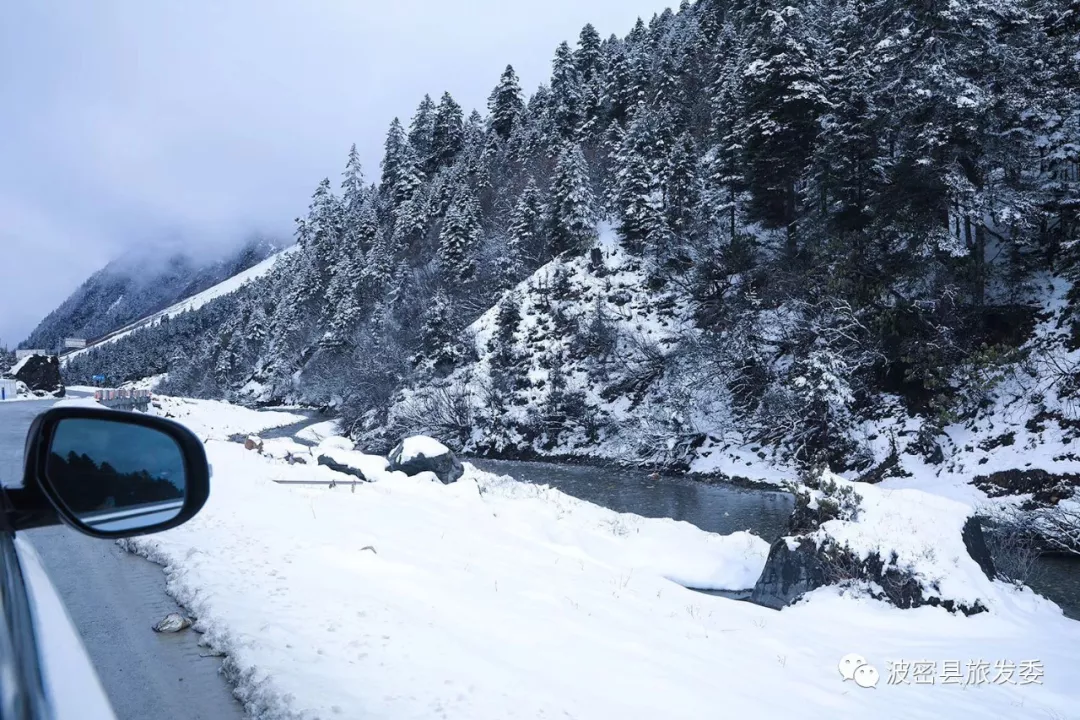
x,y
129,123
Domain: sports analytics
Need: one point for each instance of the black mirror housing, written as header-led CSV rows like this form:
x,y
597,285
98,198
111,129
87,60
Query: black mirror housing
x,y
110,474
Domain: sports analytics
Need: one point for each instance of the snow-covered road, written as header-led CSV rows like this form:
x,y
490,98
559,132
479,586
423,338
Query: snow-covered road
x,y
114,597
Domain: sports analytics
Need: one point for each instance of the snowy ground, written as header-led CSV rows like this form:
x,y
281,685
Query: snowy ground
x,y
488,598
210,419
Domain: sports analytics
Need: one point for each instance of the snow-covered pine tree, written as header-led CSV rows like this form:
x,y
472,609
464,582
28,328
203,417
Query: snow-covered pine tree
x,y
439,348
526,229
571,215
726,181
459,237
448,135
506,104
682,193
638,197
784,101
566,96
422,128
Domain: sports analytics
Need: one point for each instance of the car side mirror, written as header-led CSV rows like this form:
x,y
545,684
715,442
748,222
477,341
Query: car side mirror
x,y
114,474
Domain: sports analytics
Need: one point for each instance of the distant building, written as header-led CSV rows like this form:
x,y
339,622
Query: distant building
x,y
74,343
23,354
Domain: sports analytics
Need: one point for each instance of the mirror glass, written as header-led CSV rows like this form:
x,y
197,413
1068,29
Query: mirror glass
x,y
115,476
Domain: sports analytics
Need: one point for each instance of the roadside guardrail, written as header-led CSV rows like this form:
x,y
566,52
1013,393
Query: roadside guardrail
x,y
124,399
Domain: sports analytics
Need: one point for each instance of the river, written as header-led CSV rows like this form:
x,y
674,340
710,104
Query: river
x,y
722,508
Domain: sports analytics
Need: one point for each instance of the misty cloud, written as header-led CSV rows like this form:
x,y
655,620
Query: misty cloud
x,y
130,124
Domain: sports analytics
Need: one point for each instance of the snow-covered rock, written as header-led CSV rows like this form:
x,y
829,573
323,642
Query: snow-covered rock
x,y
286,449
419,453
318,432
337,453
40,374
909,547
337,443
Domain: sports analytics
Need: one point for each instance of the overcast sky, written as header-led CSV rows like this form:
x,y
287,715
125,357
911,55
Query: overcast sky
x,y
135,123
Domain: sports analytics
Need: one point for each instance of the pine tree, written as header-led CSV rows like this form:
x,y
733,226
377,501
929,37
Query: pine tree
x,y
422,128
393,161
566,94
448,135
378,269
506,104
507,322
526,229
784,101
352,185
638,197
587,57
726,181
682,191
460,237
438,345
848,160
571,214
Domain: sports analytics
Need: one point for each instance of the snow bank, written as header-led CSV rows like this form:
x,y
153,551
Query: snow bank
x,y
318,432
147,383
211,419
489,599
282,448
78,402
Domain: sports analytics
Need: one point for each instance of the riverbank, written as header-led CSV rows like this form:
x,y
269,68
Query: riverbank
x,y
599,462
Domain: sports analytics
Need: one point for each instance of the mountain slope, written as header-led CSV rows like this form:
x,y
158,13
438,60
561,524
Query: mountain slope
x,y
192,303
124,291
753,225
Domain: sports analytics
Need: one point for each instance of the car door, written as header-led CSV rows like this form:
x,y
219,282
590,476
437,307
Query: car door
x,y
45,671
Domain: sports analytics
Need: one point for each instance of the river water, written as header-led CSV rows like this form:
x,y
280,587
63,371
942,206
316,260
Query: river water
x,y
723,509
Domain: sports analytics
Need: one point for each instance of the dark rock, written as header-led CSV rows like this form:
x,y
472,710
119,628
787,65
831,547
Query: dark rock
x,y
338,467
41,374
975,543
1046,489
788,574
446,466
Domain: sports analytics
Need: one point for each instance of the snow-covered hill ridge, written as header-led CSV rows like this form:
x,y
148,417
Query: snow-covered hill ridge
x,y
140,283
194,302
565,357
585,359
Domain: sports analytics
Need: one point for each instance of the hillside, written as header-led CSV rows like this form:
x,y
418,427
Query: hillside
x,y
134,286
746,237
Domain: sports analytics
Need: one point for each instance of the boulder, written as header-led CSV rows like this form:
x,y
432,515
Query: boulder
x,y
975,543
792,570
253,442
419,453
41,375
